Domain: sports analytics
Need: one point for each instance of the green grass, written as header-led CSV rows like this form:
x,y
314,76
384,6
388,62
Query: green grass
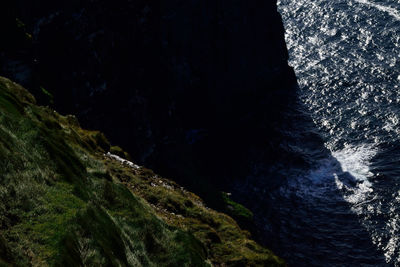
x,y
63,203
57,197
236,210
46,223
223,239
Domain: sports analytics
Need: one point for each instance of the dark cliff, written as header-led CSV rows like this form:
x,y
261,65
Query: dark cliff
x,y
192,89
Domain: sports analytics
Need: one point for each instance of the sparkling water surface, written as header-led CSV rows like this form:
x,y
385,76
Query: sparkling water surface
x,y
344,208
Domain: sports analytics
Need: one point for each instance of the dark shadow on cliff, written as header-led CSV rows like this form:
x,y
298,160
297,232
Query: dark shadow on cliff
x,y
185,86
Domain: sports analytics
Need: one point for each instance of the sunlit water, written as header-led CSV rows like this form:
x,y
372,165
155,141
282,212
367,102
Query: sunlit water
x,y
346,57
344,208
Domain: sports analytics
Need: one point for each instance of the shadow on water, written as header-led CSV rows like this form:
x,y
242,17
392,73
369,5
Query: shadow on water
x,y
306,217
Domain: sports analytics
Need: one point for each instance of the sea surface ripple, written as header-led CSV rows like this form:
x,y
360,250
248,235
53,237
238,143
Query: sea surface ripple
x,y
344,209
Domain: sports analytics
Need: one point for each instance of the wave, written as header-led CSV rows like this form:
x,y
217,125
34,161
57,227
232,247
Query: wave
x,y
355,160
389,10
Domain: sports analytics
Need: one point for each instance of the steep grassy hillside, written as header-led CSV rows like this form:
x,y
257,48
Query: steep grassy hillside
x,y
64,200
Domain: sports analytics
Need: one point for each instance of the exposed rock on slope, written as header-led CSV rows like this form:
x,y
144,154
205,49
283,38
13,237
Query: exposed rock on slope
x,y
64,201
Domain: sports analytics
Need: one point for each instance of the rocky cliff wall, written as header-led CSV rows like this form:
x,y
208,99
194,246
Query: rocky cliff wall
x,y
192,89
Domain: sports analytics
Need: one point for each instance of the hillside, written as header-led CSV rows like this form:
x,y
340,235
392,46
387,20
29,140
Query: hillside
x,y
66,200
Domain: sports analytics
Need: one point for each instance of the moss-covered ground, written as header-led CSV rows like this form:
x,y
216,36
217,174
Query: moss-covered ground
x,y
64,202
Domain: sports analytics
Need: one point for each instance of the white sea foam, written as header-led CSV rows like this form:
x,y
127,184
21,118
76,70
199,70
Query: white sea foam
x,y
348,168
356,160
389,10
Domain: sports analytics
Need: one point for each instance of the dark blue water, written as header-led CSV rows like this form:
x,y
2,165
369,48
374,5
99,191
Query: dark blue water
x,y
343,207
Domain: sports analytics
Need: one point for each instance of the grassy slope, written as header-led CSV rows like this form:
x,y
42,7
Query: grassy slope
x,y
63,202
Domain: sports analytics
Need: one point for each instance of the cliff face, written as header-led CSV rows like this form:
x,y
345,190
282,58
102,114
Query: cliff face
x,y
190,88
